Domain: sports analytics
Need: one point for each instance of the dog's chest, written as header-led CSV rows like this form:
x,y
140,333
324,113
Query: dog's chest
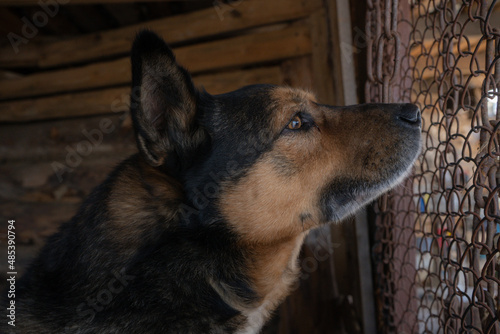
x,y
255,319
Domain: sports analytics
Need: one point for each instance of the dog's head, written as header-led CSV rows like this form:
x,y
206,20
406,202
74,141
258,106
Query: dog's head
x,y
270,161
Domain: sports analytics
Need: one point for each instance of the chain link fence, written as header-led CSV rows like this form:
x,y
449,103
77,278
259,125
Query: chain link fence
x,y
437,240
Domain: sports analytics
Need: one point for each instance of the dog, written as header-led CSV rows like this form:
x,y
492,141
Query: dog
x,y
200,231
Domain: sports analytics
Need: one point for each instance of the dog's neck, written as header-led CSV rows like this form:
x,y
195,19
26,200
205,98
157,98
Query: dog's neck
x,y
273,268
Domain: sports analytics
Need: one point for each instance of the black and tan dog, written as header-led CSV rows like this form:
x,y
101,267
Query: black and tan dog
x,y
200,232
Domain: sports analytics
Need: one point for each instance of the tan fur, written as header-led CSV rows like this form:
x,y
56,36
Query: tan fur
x,y
273,270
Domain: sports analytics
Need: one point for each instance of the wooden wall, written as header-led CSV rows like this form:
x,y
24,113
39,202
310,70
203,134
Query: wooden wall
x,y
64,126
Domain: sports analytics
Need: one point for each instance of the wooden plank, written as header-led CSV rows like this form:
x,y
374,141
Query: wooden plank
x,y
66,105
34,221
9,75
423,6
429,48
426,7
56,140
432,47
297,72
57,25
322,71
37,182
344,76
10,22
28,55
115,99
181,28
124,14
225,82
232,52
365,272
69,2
49,140
463,67
314,307
85,77
80,15
245,50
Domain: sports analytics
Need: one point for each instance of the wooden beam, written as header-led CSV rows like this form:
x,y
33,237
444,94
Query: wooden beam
x,y
48,141
290,42
225,82
79,16
322,71
34,181
10,21
432,47
472,33
69,2
116,99
244,50
28,55
297,72
59,25
342,57
124,14
425,69
86,77
67,105
180,28
9,75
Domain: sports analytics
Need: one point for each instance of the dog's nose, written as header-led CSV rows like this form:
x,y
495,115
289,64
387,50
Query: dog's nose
x,y
410,114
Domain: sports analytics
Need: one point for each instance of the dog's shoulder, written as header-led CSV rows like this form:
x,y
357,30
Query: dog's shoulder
x,y
137,197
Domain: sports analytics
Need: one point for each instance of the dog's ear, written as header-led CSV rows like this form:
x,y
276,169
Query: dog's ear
x,y
163,102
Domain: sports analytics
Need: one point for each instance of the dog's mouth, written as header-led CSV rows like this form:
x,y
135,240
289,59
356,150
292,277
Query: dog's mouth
x,y
344,196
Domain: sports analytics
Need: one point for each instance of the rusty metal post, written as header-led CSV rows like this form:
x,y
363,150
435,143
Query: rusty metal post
x,y
394,249
437,242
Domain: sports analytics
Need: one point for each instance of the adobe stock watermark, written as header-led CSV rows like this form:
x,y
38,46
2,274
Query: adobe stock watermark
x,y
359,42
30,28
211,189
322,250
87,310
76,153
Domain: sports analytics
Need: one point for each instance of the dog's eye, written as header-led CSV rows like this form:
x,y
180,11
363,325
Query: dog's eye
x,y
295,123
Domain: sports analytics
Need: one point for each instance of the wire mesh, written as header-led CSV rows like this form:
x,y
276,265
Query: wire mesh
x,y
437,240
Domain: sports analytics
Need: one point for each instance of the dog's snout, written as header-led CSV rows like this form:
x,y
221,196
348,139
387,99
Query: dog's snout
x,y
409,114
